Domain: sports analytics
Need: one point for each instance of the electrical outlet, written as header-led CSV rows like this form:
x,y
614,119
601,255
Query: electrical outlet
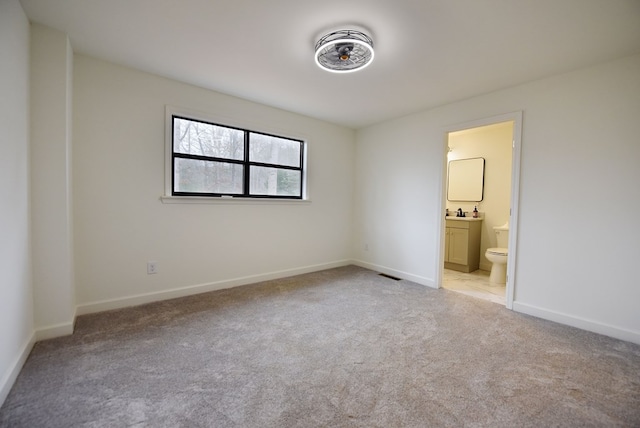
x,y
152,267
366,247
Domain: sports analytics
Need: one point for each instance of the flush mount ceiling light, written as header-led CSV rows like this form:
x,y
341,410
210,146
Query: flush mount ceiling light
x,y
344,51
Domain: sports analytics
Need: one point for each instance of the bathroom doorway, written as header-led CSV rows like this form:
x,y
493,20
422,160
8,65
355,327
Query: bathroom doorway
x,y
496,142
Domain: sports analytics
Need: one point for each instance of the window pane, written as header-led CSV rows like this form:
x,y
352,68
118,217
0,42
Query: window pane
x,y
274,150
274,181
197,138
207,177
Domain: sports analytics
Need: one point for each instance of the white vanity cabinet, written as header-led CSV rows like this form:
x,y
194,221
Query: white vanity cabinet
x,y
462,243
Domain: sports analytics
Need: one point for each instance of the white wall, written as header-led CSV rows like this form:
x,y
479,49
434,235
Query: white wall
x,y
493,143
16,303
52,237
118,175
397,195
579,174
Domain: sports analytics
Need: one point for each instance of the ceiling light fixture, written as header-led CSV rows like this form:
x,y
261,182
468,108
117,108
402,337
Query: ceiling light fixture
x,y
344,51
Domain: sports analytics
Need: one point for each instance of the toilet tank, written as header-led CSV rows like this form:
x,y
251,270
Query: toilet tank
x,y
502,233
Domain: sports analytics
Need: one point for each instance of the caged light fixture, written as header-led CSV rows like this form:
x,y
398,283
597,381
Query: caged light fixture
x,y
344,51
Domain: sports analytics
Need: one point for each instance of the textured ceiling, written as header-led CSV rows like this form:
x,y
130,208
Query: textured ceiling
x,y
428,52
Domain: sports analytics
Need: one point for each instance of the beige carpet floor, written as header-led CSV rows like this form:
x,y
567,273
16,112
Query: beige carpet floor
x,y
338,348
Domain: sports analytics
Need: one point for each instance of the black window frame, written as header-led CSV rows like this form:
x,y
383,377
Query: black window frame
x,y
246,163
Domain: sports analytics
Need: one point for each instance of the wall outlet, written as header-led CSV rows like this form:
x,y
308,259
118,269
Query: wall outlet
x,y
366,247
152,267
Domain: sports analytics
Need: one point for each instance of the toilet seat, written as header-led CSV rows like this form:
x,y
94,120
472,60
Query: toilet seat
x,y
498,251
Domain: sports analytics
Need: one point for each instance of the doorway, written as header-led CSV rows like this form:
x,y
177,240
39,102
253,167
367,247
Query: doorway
x,y
495,140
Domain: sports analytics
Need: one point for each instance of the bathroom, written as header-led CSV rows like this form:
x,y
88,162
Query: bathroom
x,y
493,144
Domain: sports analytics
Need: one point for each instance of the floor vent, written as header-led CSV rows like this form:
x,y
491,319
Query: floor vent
x,y
390,277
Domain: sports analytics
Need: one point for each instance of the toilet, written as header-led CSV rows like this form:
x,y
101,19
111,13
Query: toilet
x,y
498,256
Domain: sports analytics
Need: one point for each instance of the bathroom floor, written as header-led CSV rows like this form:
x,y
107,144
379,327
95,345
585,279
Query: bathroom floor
x,y
474,284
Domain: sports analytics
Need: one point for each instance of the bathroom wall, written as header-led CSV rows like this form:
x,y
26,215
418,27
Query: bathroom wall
x,y
493,143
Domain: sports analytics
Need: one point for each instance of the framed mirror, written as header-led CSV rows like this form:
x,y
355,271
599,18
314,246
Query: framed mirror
x,y
465,180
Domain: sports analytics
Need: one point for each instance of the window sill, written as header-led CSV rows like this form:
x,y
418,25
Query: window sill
x,y
231,200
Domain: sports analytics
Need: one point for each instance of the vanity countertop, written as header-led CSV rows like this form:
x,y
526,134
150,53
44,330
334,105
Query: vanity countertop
x,y
452,217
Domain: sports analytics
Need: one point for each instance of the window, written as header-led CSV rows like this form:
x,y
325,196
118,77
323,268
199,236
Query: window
x,y
209,159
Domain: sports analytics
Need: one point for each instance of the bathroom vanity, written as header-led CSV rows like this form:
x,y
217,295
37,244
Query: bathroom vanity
x,y
462,243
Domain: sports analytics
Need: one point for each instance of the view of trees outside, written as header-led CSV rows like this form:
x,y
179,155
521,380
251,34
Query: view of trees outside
x,y
219,177
274,181
278,151
198,138
273,150
198,176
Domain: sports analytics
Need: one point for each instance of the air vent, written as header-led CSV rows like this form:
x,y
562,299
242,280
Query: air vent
x,y
390,277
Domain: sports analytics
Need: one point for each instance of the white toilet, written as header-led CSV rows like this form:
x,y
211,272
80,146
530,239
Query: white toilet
x,y
498,256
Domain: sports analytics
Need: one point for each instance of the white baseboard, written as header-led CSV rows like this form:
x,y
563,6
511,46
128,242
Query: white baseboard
x,y
581,323
429,282
140,299
11,375
50,332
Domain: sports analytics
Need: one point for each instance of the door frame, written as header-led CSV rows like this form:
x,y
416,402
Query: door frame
x,y
516,118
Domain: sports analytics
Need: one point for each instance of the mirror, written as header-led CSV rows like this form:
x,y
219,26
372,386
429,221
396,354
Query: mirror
x,y
466,180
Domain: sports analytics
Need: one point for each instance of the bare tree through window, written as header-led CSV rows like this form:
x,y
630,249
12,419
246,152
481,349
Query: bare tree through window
x,y
211,159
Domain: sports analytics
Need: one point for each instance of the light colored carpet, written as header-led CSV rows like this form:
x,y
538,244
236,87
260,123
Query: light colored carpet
x,y
339,348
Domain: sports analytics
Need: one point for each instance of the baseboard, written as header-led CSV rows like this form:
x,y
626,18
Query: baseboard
x,y
140,299
581,323
50,332
485,266
11,375
429,282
